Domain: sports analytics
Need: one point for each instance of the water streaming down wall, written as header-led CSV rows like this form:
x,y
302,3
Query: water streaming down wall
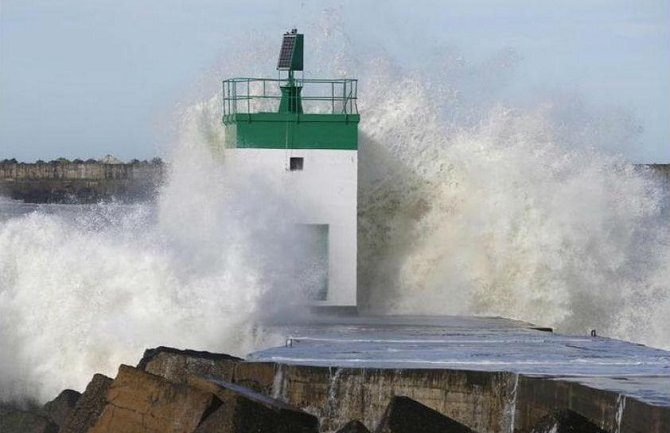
x,y
467,204
620,407
485,401
510,409
338,395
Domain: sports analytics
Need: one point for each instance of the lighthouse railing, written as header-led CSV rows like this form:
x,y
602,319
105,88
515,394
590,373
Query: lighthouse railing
x,y
262,95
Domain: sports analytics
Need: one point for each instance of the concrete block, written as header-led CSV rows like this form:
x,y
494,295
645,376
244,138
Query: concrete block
x,y
258,376
58,409
139,402
565,421
246,411
405,415
177,365
354,426
88,407
538,397
21,421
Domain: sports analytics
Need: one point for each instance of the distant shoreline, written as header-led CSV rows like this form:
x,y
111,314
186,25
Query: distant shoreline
x,y
78,181
91,181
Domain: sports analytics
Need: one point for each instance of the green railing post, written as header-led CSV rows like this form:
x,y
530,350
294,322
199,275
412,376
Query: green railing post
x,y
344,96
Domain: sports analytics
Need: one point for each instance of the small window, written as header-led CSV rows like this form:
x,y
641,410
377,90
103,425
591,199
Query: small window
x,y
296,163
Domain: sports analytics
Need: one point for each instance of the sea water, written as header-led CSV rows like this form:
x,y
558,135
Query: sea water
x,y
468,204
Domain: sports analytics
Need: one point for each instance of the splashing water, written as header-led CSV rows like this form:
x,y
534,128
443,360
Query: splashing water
x,y
85,289
509,216
467,204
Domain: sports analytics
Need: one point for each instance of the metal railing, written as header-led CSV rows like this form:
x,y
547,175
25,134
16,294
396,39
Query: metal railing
x,y
319,96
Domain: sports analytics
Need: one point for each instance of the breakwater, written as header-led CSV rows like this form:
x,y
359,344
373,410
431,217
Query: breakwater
x,y
188,391
63,181
489,373
660,170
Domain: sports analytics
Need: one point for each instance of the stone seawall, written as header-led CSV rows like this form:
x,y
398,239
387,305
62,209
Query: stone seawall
x,y
187,391
80,182
480,400
485,401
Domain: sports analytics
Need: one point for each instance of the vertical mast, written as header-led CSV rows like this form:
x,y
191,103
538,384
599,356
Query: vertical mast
x,y
290,60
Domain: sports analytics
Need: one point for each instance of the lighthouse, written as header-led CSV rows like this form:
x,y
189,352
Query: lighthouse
x,y
302,135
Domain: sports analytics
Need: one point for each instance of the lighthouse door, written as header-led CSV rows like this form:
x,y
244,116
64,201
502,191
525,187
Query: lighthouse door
x,y
312,266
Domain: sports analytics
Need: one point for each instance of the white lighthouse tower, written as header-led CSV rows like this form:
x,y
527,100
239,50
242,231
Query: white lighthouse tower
x,y
302,134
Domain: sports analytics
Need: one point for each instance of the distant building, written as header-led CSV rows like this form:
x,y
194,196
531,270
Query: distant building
x,y
110,159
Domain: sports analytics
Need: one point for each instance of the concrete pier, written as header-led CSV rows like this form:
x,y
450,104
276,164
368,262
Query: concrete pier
x,y
491,374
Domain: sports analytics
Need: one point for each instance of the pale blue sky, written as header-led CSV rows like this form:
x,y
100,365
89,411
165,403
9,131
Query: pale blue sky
x,y
83,78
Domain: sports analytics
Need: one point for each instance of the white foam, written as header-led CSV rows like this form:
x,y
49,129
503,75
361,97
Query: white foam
x,y
467,205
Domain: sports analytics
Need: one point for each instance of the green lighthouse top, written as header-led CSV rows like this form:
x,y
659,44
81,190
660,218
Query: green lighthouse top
x,y
289,112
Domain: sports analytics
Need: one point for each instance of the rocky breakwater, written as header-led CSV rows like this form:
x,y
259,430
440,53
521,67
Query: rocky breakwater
x,y
186,391
662,171
64,181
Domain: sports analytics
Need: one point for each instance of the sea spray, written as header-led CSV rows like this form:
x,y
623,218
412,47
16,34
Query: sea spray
x,y
502,218
76,301
84,293
467,204
472,203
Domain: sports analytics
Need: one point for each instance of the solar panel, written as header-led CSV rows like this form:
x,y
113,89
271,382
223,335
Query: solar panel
x,y
286,52
290,55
